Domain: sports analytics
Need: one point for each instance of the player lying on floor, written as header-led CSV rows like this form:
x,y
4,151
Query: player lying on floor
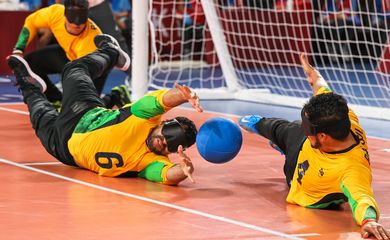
x,y
327,161
130,141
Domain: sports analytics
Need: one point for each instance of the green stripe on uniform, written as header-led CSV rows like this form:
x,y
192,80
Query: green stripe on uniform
x,y
94,119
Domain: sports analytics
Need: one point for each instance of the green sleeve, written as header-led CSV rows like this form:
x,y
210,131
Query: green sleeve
x,y
153,172
370,214
150,105
22,39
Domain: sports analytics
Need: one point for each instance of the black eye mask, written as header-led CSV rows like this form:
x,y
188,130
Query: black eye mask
x,y
76,16
174,134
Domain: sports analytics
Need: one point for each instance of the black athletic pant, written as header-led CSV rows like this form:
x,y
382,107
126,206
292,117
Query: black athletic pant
x,y
79,96
288,136
51,59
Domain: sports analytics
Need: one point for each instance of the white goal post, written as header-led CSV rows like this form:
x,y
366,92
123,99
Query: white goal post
x,y
251,52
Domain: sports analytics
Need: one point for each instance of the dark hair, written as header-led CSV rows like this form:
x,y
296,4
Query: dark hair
x,y
329,111
82,4
189,129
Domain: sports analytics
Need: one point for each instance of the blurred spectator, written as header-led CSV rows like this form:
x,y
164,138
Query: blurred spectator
x,y
32,4
258,3
295,4
349,26
122,14
192,15
13,5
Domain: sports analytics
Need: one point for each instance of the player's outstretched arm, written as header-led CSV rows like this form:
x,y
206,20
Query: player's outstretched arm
x,y
181,171
313,76
374,229
181,94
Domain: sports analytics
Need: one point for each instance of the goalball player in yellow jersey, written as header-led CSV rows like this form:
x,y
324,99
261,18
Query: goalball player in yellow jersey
x,y
74,32
131,141
327,161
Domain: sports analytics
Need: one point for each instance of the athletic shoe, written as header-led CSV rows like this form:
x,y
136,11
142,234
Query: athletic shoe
x,y
120,96
248,123
105,40
23,73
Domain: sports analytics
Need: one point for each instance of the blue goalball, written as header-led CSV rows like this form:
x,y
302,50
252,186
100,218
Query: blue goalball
x,y
219,140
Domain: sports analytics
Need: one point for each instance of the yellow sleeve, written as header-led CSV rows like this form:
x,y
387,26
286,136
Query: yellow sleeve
x,y
356,185
164,173
323,90
39,19
159,94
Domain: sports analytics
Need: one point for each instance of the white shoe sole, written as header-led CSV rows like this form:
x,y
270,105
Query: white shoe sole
x,y
123,53
31,73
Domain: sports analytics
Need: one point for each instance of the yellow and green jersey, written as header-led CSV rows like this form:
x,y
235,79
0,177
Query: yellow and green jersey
x,y
322,178
52,17
113,142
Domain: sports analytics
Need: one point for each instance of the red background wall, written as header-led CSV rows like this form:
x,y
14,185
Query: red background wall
x,y
11,22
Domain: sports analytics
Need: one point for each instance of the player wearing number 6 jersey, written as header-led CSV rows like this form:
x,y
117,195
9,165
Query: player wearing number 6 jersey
x,y
327,161
131,141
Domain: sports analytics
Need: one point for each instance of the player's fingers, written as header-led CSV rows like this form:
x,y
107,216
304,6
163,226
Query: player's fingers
x,y
303,58
177,85
189,175
383,233
199,108
195,104
376,233
365,234
183,89
180,151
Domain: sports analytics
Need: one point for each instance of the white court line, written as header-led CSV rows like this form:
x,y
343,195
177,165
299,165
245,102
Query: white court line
x,y
4,80
169,205
42,163
14,111
306,235
11,103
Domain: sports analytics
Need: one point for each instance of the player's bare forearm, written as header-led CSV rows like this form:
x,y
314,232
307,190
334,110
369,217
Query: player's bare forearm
x,y
181,171
181,94
313,76
173,98
175,175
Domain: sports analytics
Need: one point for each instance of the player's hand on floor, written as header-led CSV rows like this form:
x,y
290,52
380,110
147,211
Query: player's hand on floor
x,y
185,163
374,229
190,95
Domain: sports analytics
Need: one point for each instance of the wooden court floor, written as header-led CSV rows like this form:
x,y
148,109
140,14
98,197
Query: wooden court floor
x,y
243,199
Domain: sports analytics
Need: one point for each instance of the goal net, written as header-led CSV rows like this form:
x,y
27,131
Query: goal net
x,y
249,50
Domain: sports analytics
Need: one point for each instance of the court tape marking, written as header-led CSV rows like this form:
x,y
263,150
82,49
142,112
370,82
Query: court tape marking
x,y
306,235
42,163
169,205
14,111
